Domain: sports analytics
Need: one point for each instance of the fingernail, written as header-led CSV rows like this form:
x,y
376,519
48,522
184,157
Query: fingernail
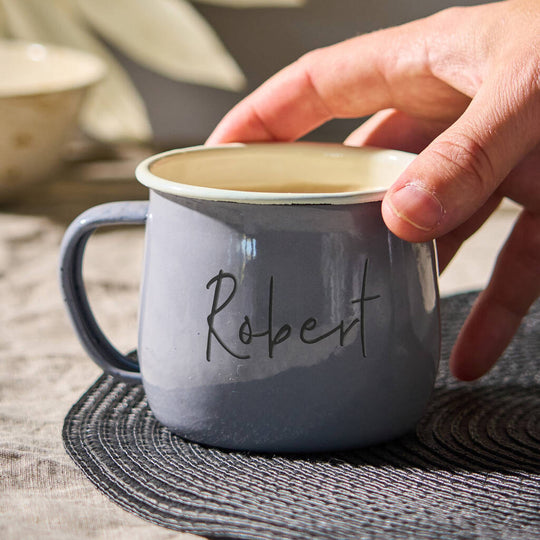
x,y
416,206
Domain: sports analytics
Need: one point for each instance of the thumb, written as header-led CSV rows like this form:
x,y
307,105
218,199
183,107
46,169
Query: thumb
x,y
456,174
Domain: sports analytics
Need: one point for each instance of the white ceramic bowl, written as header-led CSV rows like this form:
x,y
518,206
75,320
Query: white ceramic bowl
x,y
42,88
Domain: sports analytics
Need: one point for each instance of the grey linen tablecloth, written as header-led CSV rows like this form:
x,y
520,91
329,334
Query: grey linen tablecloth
x,y
43,369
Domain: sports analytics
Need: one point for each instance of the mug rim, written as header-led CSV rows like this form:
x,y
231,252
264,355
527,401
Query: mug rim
x,y
154,182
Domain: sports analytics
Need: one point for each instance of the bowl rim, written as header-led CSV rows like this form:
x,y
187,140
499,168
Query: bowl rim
x,y
40,51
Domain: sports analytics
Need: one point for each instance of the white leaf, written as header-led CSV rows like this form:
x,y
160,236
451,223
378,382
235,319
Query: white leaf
x,y
167,36
113,109
254,3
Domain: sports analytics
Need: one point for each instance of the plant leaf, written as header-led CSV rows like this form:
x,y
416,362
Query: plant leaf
x,y
113,109
254,3
3,22
167,36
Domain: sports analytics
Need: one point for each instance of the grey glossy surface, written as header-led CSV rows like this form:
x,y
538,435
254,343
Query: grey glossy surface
x,y
235,303
73,290
271,327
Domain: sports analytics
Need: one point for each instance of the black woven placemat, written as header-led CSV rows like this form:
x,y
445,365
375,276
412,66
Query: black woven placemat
x,y
472,469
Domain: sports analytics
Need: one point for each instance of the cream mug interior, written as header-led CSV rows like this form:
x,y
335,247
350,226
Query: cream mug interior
x,y
274,173
278,313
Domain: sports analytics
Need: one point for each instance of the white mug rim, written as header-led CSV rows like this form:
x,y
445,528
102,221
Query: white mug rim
x,y
154,182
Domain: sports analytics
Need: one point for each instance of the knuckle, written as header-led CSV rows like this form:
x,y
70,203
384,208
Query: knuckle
x,y
452,14
309,60
470,158
529,90
309,65
521,76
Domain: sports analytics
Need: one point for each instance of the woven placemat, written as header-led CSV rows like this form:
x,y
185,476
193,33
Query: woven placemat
x,y
472,469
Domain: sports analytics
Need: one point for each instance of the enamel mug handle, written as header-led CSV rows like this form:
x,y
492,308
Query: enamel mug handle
x,y
98,347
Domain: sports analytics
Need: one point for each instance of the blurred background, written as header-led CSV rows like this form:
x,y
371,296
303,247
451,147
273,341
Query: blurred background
x,y
175,67
172,69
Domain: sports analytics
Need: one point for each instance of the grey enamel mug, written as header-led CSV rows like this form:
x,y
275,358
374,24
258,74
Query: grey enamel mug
x,y
277,312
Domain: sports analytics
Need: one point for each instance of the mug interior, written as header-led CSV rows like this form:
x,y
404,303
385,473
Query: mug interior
x,y
275,173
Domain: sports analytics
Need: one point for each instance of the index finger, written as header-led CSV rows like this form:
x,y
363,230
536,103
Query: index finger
x,y
304,95
354,78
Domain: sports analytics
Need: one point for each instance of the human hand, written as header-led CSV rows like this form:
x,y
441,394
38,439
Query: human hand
x,y
460,88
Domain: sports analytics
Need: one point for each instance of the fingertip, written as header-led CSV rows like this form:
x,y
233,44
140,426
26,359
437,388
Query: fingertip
x,y
412,212
480,343
241,124
468,357
466,367
220,135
